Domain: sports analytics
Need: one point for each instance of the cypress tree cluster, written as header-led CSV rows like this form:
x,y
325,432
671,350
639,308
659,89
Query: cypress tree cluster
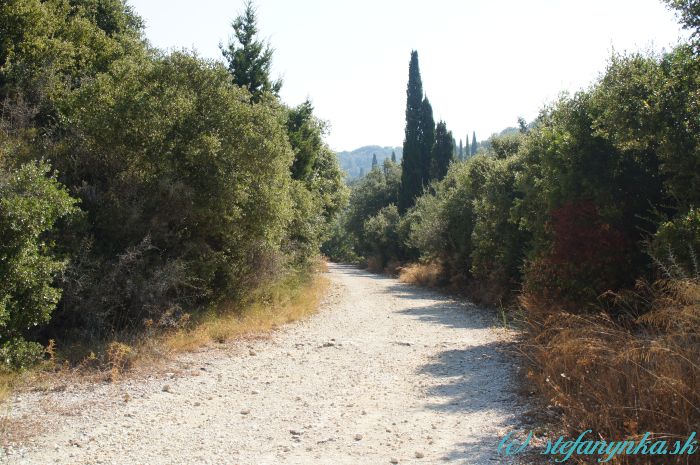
x,y
427,150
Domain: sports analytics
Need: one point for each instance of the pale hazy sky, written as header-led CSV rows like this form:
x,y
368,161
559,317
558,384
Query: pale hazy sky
x,y
483,62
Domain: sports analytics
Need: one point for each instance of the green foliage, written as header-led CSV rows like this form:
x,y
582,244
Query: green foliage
x,y
419,138
340,245
249,59
31,202
442,153
190,178
317,205
499,245
305,134
381,233
442,222
49,47
426,141
195,189
676,245
349,240
18,354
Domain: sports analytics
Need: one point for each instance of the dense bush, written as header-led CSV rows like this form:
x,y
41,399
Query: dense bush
x,y
195,190
190,186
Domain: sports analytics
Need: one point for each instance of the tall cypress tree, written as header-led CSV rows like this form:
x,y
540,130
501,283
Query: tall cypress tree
x,y
473,143
393,156
427,140
460,153
249,59
467,150
411,161
442,153
375,163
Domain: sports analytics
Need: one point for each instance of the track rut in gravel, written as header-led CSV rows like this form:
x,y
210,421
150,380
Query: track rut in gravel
x,y
384,373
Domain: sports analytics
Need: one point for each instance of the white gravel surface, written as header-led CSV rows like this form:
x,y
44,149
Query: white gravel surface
x,y
384,373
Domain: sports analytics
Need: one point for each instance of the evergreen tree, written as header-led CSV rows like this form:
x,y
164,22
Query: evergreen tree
x,y
249,59
427,140
467,150
442,153
305,135
473,143
393,156
411,161
362,172
375,164
460,153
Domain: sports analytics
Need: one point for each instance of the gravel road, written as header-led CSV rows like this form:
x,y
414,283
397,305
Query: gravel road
x,y
384,373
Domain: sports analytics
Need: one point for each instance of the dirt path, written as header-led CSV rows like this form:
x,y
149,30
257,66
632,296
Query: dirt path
x,y
384,372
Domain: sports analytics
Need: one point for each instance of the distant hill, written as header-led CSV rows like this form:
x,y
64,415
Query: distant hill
x,y
361,159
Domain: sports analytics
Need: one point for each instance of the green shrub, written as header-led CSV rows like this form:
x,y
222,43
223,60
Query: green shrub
x,y
381,231
18,354
186,188
31,202
676,245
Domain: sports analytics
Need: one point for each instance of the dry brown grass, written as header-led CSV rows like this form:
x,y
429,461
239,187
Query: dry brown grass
x,y
7,382
282,307
422,274
622,380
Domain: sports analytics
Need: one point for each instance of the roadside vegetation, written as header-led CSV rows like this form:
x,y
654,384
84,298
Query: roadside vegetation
x,y
145,195
584,221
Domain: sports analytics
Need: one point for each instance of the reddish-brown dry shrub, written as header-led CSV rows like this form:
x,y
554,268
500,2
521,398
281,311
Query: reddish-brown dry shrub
x,y
587,256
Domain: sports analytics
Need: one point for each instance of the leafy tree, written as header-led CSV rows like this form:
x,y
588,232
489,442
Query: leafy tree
x,y
442,153
249,58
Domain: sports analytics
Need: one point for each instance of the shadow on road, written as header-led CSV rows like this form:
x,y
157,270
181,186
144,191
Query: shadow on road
x,y
473,378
